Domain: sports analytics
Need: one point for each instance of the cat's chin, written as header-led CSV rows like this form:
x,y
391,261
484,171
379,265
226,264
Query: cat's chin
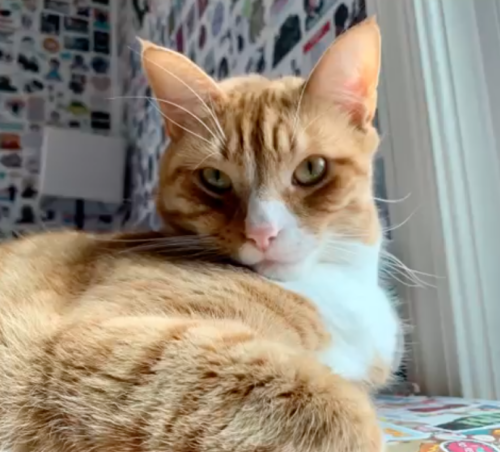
x,y
280,271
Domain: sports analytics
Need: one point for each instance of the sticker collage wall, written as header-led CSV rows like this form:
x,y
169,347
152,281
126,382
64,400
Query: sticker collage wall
x,y
57,65
226,38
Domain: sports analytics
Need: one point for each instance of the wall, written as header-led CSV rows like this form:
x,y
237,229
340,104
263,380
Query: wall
x,y
225,38
58,66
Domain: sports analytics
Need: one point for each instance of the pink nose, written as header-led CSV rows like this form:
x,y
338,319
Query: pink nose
x,y
262,236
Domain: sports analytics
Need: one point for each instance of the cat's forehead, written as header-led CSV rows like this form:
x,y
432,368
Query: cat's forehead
x,y
259,121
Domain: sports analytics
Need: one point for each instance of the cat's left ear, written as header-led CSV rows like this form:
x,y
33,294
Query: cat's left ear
x,y
348,72
183,90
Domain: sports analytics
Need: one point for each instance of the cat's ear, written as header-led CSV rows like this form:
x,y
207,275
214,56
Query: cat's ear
x,y
183,90
348,72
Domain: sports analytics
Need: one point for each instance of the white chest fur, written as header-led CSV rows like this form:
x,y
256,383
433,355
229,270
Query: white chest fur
x,y
357,313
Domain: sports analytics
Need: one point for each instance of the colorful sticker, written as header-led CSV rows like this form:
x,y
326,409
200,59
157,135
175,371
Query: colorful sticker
x,y
102,42
10,141
315,10
76,25
51,45
256,20
288,36
317,45
468,446
101,19
394,432
77,43
470,422
50,24
59,6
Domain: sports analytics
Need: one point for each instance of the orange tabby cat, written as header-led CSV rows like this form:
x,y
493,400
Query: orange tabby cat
x,y
104,347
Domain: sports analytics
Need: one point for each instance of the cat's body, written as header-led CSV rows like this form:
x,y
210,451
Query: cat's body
x,y
106,348
98,345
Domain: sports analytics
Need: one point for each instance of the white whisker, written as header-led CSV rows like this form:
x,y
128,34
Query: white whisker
x,y
162,101
393,201
178,125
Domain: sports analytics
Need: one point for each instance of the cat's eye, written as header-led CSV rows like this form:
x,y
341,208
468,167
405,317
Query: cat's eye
x,y
311,171
215,180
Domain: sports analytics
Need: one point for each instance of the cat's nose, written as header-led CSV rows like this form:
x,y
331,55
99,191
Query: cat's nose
x,y
262,236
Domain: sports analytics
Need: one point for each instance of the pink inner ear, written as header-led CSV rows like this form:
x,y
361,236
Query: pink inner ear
x,y
355,100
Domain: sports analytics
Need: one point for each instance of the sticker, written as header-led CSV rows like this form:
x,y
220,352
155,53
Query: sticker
x,y
11,160
26,215
76,25
202,37
10,141
36,109
468,446
28,63
179,40
50,24
30,5
217,19
27,44
11,126
101,42
76,43
315,10
100,120
190,20
256,20
295,68
340,19
317,45
436,409
59,6
54,118
288,36
470,422
29,188
223,70
101,84
202,6
394,432
27,22
6,85
192,53
15,106
53,75
8,193
101,19
6,56
100,65
81,7
77,83
209,63
7,36
51,45
33,86
9,18
79,64
77,108
278,10
140,10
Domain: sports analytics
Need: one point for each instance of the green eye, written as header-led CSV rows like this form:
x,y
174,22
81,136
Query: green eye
x,y
215,180
311,171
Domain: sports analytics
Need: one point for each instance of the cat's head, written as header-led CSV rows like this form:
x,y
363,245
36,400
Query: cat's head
x,y
277,172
